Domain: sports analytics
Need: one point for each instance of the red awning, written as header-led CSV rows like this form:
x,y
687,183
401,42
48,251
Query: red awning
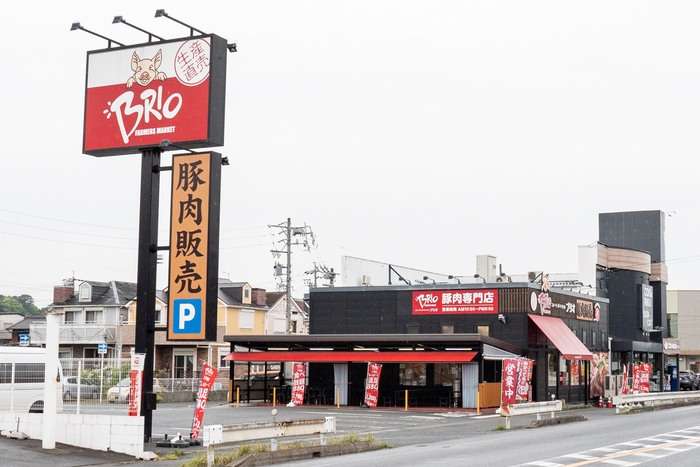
x,y
561,336
317,356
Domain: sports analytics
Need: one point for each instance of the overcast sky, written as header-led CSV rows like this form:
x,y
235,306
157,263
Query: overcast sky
x,y
418,133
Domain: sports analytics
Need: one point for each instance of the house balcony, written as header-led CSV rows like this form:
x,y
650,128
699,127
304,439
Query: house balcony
x,y
76,333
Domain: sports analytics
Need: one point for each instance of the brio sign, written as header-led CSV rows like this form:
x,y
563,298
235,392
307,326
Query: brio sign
x,y
138,96
194,247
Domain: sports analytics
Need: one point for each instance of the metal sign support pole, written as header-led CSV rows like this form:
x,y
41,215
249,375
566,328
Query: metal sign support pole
x,y
146,279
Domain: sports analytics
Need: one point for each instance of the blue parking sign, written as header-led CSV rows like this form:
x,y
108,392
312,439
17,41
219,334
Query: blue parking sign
x,y
187,316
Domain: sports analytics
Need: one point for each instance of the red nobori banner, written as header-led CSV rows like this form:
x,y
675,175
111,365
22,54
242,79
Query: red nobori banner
x,y
298,383
463,302
372,387
509,381
138,96
136,386
522,392
636,378
644,376
205,384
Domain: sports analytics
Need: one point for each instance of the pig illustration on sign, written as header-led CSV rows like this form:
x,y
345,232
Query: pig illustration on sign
x,y
145,70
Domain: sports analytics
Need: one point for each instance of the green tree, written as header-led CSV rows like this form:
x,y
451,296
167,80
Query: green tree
x,y
11,305
27,302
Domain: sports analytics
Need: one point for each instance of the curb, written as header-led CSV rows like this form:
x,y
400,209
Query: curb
x,y
556,421
308,452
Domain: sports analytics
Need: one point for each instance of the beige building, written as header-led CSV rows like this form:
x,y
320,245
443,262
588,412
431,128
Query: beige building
x,y
683,316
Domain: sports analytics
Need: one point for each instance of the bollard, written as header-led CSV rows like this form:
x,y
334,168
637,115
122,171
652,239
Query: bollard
x,y
600,402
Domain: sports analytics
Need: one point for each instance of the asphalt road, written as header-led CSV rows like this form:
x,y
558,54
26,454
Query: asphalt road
x,y
418,436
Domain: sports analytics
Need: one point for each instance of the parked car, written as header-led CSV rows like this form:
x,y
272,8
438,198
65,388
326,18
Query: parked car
x,y
687,379
122,391
87,390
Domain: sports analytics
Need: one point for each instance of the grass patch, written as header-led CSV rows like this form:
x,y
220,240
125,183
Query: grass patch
x,y
221,460
173,456
500,428
351,437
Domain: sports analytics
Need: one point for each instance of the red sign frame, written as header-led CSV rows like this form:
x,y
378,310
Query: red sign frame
x,y
138,96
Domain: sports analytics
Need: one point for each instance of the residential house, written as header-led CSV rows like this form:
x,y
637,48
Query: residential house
x,y
7,320
90,315
23,327
105,312
276,319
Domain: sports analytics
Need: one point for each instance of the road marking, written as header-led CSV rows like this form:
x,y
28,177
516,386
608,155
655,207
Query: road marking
x,y
613,457
481,417
580,456
544,464
452,415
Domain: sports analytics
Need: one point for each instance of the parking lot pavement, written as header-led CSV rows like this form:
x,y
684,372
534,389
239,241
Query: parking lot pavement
x,y
396,427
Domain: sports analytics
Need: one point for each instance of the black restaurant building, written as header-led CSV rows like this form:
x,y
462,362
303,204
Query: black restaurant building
x,y
439,344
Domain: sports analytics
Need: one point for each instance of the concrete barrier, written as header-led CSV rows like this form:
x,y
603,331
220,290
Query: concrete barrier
x,y
297,454
529,408
218,434
654,399
99,432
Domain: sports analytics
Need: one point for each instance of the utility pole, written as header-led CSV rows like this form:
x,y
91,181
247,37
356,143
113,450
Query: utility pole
x,y
289,231
324,272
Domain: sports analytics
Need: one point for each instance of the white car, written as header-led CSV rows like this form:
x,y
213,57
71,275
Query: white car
x,y
70,389
122,391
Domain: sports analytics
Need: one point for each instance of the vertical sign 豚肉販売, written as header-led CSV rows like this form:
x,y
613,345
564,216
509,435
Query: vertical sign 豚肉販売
x,y
194,245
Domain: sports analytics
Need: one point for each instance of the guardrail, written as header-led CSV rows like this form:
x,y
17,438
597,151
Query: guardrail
x,y
218,434
529,408
652,399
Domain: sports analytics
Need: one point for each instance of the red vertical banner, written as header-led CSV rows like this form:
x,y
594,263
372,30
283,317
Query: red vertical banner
x,y
509,376
625,376
372,386
524,373
644,377
205,384
636,377
136,386
298,383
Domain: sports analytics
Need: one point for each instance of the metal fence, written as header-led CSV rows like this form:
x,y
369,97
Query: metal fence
x,y
99,385
89,385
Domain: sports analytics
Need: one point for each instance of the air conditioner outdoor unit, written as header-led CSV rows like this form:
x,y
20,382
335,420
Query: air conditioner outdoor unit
x,y
533,276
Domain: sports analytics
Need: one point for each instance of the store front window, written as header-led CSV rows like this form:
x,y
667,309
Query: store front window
x,y
551,370
412,374
446,373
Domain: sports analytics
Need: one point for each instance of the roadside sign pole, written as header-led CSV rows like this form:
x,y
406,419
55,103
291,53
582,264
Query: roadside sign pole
x,y
144,342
